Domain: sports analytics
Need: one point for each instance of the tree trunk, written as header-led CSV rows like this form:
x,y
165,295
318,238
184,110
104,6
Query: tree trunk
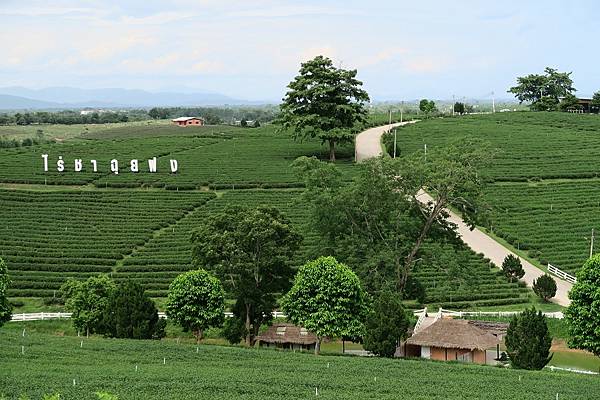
x,y
247,325
403,275
318,346
199,335
331,150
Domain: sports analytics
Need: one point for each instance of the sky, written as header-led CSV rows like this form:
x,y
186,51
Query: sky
x,y
252,49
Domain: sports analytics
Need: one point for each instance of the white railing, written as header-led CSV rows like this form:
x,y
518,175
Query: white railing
x,y
422,315
20,317
561,274
39,316
579,371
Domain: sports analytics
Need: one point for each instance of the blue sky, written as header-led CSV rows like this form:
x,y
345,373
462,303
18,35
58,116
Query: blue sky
x,y
252,49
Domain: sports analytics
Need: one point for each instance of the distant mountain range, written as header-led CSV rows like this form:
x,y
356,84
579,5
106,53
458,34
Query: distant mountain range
x,y
20,98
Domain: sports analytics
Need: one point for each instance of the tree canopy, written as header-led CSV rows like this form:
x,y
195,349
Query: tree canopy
x,y
5,306
324,102
543,91
196,301
327,298
528,340
545,287
386,325
427,106
87,301
377,223
512,267
250,250
582,314
131,314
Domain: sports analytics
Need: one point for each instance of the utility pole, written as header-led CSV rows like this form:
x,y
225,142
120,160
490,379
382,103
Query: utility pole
x,y
401,109
394,143
453,103
592,244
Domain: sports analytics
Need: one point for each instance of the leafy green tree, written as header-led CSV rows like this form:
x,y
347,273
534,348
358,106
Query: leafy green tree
x,y
582,314
543,91
327,299
87,301
569,102
243,123
545,287
324,102
233,330
5,306
132,314
528,340
196,301
595,104
512,268
250,250
386,325
427,106
256,124
377,222
459,108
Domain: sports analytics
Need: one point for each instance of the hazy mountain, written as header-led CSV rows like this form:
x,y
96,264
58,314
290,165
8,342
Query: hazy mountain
x,y
68,97
8,102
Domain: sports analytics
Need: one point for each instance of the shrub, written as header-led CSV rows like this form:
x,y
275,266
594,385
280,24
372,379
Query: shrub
x,y
545,287
512,268
528,340
386,325
131,314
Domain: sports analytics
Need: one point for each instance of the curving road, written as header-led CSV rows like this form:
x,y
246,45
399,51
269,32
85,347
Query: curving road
x,y
368,145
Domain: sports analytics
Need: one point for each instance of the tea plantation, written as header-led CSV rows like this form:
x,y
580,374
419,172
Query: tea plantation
x,y
544,186
138,225
49,364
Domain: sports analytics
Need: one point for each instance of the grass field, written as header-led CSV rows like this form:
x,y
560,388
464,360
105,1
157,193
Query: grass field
x,y
77,367
543,182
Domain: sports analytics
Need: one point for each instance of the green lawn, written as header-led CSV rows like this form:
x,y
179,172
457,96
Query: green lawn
x,y
78,367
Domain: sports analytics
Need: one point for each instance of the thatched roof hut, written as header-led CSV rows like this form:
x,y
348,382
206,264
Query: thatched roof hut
x,y
454,334
286,335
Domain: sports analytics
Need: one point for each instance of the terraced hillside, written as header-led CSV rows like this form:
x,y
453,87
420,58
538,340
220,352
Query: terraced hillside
x,y
128,225
543,183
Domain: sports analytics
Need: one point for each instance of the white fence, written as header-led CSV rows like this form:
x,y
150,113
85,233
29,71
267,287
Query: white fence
x,y
561,274
39,316
43,316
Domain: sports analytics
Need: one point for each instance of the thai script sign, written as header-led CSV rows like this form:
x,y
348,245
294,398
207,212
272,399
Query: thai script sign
x,y
78,165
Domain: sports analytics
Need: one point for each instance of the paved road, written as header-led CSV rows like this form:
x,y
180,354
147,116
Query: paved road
x,y
368,145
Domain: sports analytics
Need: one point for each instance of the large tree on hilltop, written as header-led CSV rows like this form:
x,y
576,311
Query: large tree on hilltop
x,y
544,91
250,250
324,102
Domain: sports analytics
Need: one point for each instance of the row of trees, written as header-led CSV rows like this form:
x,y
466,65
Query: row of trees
x,y
98,305
212,115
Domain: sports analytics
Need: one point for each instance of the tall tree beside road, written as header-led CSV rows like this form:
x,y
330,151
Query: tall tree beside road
x,y
324,102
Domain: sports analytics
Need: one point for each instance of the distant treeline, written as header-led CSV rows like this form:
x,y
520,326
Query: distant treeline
x,y
212,115
217,115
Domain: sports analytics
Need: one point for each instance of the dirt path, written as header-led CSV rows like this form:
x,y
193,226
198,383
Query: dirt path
x,y
368,145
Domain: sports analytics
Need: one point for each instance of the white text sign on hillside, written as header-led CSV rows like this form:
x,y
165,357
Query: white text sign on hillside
x,y
134,165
